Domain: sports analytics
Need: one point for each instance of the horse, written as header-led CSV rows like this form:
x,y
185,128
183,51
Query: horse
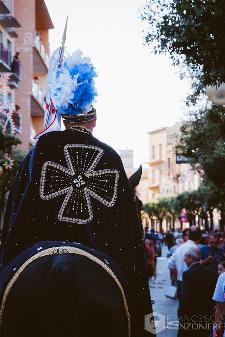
x,y
63,289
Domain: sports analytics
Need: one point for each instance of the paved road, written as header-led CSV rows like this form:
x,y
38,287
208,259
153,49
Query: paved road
x,y
166,308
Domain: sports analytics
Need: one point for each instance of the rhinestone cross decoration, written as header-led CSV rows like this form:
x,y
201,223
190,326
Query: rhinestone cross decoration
x,y
79,182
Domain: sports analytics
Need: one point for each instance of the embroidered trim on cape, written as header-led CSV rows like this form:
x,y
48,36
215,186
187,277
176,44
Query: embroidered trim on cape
x,y
79,182
59,251
80,128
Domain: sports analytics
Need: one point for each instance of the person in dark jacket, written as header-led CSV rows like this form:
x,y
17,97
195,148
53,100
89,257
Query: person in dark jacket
x,y
212,254
196,306
16,64
169,239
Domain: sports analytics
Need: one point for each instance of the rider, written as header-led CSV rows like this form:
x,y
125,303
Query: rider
x,y
73,187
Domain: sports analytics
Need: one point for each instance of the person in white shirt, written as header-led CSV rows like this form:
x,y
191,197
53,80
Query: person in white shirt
x,y
219,298
176,261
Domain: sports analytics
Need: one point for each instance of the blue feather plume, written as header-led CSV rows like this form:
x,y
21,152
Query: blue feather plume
x,y
75,88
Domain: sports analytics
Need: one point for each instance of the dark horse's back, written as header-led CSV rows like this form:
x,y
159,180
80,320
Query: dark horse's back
x,y
58,289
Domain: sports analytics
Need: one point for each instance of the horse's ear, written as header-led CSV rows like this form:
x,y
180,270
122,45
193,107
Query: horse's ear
x,y
136,177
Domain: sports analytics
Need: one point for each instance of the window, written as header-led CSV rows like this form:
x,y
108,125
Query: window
x,y
9,97
160,175
9,48
153,176
168,165
1,45
160,151
1,37
153,151
1,98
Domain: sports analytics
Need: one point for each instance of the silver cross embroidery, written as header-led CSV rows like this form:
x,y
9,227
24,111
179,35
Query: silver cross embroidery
x,y
79,182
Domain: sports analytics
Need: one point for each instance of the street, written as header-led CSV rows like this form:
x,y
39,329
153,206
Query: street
x,y
165,309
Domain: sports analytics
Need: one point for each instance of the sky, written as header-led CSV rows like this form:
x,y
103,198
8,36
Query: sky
x,y
137,91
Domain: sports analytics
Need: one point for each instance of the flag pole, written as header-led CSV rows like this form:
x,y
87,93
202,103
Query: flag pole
x,y
59,63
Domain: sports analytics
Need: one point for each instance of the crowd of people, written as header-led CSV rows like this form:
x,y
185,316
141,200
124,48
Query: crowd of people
x,y
196,260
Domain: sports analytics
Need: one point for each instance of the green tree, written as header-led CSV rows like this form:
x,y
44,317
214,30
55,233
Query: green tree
x,y
175,210
189,31
192,33
150,209
211,197
9,163
183,201
169,210
203,143
160,210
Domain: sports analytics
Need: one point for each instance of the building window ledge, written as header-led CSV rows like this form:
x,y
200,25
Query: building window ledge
x,y
9,21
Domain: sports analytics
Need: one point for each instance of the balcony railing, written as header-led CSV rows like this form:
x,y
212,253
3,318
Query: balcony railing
x,y
5,59
154,184
37,93
13,68
12,32
13,81
39,46
155,161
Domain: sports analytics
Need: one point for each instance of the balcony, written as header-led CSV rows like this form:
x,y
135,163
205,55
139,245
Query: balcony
x,y
40,58
12,32
156,161
43,19
154,186
9,21
4,8
13,81
37,101
5,59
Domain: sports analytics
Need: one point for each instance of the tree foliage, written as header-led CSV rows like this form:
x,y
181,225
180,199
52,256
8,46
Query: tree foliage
x,y
203,143
9,163
199,206
190,31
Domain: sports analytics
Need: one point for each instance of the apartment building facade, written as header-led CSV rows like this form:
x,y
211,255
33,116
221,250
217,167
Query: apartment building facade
x,y
10,67
143,187
127,157
33,45
166,177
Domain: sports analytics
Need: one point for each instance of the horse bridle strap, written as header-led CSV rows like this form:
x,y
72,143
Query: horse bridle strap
x,y
59,251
